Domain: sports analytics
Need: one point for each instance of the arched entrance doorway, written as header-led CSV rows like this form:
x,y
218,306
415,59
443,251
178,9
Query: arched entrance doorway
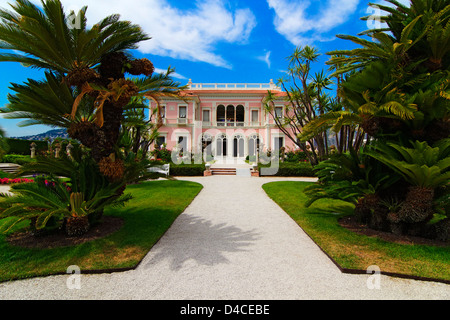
x,y
221,145
238,146
206,144
253,145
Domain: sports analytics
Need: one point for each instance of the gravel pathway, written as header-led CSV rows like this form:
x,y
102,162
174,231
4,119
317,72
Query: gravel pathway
x,y
232,242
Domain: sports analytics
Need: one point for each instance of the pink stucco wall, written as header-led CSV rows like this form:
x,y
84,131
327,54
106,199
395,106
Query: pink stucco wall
x,y
193,127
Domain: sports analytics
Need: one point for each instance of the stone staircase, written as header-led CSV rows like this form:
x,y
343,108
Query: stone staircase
x,y
223,171
9,167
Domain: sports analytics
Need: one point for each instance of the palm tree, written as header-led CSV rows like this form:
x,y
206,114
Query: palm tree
x,y
307,99
44,39
418,34
433,20
85,89
401,78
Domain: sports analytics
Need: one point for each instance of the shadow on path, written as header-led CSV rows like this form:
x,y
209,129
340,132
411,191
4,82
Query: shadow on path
x,y
194,238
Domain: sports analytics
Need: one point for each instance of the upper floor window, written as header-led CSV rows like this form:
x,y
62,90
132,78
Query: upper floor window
x,y
182,112
206,116
279,112
255,116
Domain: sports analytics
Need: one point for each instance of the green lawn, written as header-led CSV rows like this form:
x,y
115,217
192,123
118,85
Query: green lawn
x,y
353,251
154,207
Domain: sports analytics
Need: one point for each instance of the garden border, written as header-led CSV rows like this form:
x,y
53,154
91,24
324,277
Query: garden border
x,y
359,271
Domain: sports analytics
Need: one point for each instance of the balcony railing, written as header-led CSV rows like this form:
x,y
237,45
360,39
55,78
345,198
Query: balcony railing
x,y
230,123
218,124
233,86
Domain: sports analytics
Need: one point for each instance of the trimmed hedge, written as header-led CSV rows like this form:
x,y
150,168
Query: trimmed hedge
x,y
289,169
17,159
187,169
4,174
18,146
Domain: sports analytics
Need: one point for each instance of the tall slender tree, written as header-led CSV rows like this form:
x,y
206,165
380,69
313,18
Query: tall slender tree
x,y
307,99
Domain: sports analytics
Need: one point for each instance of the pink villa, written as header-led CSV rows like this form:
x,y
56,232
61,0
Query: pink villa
x,y
222,121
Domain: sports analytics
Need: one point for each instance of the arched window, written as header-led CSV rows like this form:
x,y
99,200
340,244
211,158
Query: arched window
x,y
231,115
240,115
221,115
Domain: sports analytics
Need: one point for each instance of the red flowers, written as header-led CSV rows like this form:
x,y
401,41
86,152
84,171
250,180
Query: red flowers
x,y
16,180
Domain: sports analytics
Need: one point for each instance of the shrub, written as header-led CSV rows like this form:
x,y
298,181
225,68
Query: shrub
x,y
187,169
295,156
17,159
162,154
288,169
4,174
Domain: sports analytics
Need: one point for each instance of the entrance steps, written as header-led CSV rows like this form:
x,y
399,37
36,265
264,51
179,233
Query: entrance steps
x,y
223,171
9,167
230,167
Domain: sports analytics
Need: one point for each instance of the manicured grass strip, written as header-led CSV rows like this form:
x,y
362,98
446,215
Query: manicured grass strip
x,y
351,250
154,207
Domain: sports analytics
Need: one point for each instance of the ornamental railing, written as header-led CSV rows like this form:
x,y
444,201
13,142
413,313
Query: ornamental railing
x,y
233,86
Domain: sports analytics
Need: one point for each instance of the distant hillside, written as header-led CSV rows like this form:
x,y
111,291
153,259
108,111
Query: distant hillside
x,y
52,134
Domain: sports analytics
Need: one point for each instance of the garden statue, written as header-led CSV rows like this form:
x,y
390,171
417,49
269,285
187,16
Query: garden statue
x,y
57,150
69,150
33,150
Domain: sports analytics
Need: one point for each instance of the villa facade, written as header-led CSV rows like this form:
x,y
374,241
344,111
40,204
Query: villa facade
x,y
225,121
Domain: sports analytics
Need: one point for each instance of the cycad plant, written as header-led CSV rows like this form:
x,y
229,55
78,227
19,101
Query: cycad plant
x,y
356,178
397,68
395,87
85,88
53,206
72,194
424,167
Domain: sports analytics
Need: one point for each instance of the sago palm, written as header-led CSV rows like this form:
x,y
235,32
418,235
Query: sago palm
x,y
424,167
369,97
43,38
42,203
91,63
418,33
413,54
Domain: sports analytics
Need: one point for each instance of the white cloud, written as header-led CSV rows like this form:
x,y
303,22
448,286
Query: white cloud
x,y
189,34
266,58
299,27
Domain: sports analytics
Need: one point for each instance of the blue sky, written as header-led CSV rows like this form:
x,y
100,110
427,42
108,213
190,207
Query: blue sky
x,y
214,40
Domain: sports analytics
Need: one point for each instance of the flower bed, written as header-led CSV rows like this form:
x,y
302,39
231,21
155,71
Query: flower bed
x,y
16,180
